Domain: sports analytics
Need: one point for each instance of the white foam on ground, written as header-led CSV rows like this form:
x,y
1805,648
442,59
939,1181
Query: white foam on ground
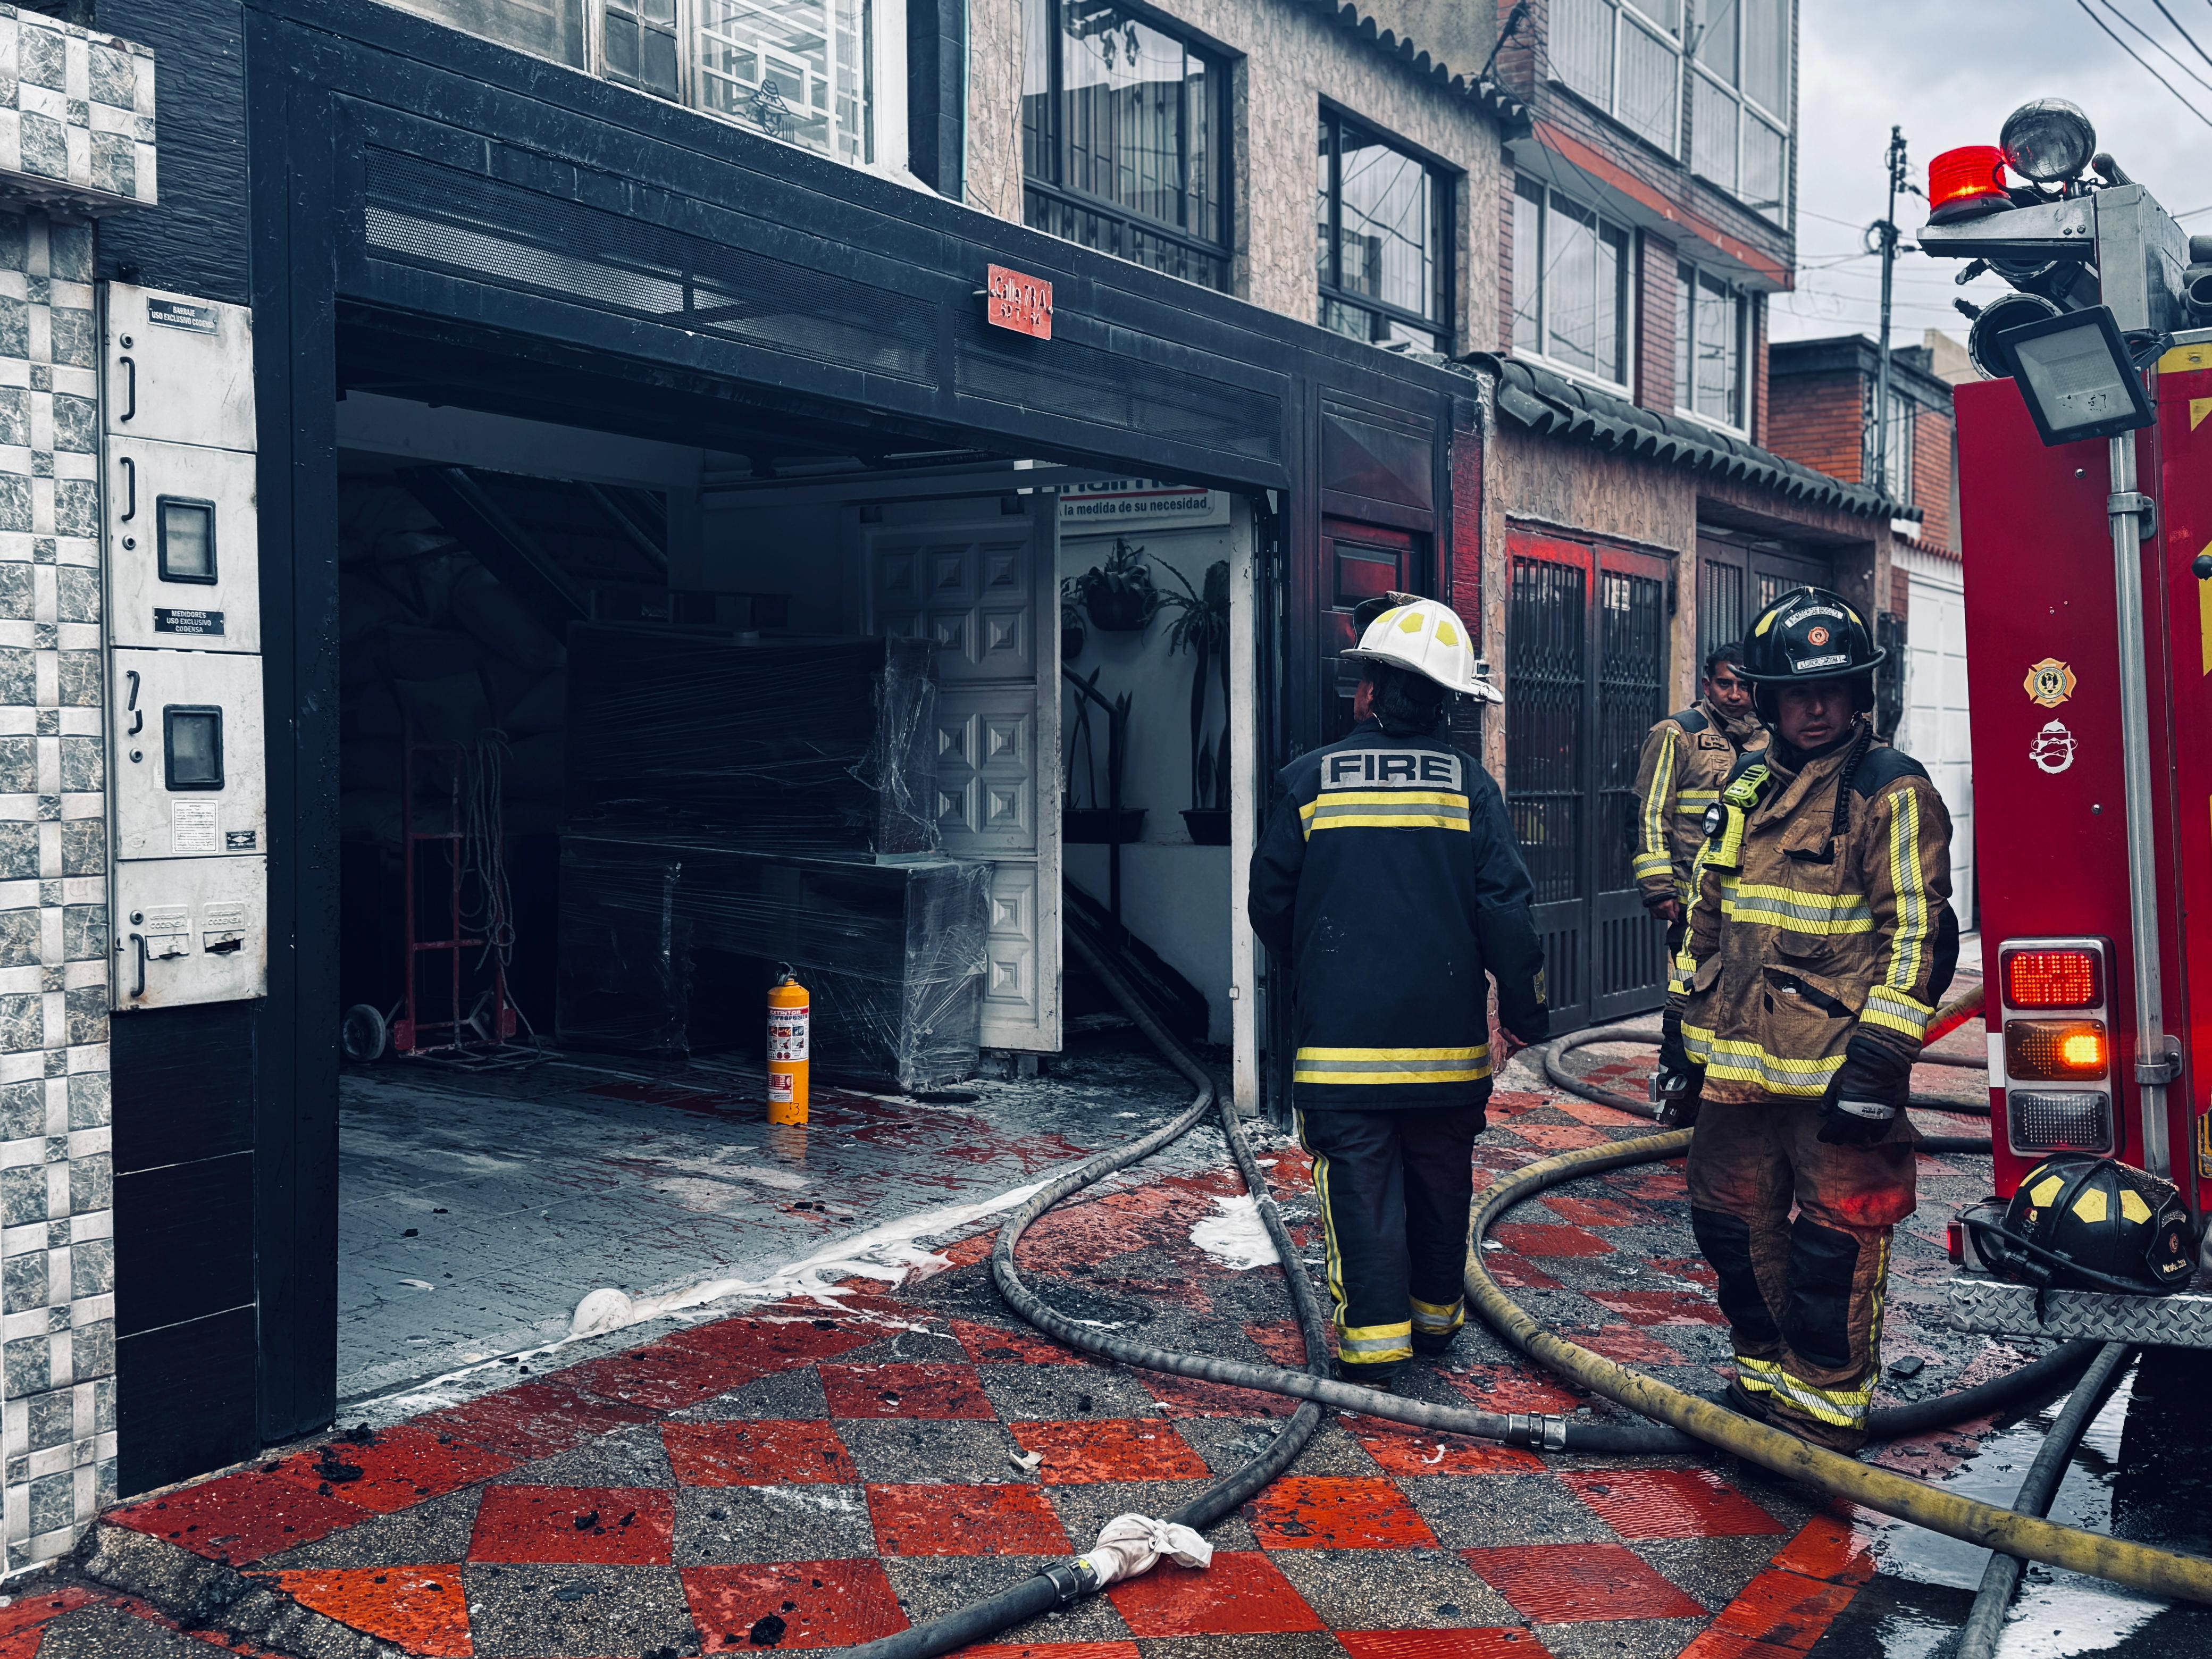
x,y
1235,1235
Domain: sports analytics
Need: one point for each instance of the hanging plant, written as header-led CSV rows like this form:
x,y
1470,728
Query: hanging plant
x,y
1118,596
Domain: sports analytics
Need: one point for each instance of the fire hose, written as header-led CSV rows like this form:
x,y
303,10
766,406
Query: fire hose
x,y
1680,1422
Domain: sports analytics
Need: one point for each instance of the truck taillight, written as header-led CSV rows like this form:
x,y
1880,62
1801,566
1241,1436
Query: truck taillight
x,y
2056,1070
2051,980
2055,1050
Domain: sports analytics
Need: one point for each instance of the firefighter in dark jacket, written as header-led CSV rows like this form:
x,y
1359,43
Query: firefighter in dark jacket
x,y
1819,939
1390,884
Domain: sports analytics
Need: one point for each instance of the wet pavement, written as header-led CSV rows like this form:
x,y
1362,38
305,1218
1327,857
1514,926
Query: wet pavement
x,y
807,1472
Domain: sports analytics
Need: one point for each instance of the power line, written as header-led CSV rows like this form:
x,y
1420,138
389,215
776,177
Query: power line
x,y
2112,6
2139,59
2180,31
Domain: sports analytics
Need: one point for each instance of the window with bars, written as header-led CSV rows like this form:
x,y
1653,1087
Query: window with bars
x,y
1382,250
1712,336
1720,607
1124,138
798,70
1739,100
1625,57
1570,281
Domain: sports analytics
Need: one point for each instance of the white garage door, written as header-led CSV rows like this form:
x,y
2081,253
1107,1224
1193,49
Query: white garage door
x,y
1935,732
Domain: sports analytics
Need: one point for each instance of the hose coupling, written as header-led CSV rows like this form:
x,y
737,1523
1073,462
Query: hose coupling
x,y
1070,1580
1526,1429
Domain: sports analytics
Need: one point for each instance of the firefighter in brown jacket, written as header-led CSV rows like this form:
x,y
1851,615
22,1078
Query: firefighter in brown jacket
x,y
1685,759
1819,939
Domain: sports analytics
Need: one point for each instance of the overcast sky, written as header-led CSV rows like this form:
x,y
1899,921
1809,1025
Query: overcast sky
x,y
1948,71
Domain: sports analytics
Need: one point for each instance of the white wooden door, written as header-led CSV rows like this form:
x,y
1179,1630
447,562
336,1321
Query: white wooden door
x,y
976,575
1935,732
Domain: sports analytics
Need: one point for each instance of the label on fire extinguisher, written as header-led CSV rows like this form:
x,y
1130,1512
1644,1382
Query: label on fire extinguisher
x,y
787,1033
782,1087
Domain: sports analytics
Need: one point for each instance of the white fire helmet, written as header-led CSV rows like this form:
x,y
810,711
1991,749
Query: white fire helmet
x,y
1430,640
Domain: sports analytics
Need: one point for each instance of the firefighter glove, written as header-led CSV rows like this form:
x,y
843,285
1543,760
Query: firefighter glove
x,y
1871,1088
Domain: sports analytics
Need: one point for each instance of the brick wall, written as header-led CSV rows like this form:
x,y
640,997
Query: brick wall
x,y
1933,485
1820,420
1655,323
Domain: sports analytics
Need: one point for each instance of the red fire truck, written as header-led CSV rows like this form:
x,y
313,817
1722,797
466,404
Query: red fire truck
x,y
2085,486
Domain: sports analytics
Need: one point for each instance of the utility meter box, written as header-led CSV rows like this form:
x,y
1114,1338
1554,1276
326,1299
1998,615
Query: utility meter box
x,y
179,370
189,778
183,547
191,930
188,792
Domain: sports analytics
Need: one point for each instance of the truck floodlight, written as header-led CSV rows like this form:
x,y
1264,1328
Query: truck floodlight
x,y
2048,140
2076,378
1966,182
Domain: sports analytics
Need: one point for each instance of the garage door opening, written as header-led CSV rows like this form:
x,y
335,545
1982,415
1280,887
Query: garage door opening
x,y
629,729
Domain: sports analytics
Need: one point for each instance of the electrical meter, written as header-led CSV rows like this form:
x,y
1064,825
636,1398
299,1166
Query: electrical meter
x,y
187,784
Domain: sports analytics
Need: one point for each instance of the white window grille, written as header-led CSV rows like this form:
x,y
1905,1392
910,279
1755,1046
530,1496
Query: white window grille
x,y
1625,57
1570,285
1712,348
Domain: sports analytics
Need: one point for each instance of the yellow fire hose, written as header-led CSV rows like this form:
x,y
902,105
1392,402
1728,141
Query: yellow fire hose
x,y
2137,1566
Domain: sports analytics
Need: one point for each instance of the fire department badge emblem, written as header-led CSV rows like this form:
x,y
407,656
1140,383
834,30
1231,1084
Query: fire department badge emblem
x,y
2049,683
2053,748
1816,636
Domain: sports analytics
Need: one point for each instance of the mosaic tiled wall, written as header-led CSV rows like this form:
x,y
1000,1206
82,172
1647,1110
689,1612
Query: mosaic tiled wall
x,y
57,1231
76,115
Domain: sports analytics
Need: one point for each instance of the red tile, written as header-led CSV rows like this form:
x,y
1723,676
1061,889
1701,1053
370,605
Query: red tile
x,y
976,1247
1695,1268
1567,1584
238,1518
1281,1341
777,1341
1640,1503
1516,1389
993,1345
1503,1644
1117,1449
423,1609
1660,1307
601,1526
1828,1548
1242,1593
1714,1642
662,1376
537,1420
1591,1212
1336,1512
1537,1238
1516,1273
1008,1520
756,1454
402,1466
1561,1137
1184,1396
820,1604
23,1622
1401,1448
1050,1650
908,1391
1628,1344
1784,1609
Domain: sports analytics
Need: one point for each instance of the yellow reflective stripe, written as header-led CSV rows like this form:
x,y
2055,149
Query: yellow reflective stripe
x,y
1844,1408
1697,798
1374,1344
1655,803
1651,864
1826,914
1908,945
1738,1060
1385,797
1433,1317
1388,821
1386,1065
1480,1051
1332,1269
1464,1074
1835,903
1892,1009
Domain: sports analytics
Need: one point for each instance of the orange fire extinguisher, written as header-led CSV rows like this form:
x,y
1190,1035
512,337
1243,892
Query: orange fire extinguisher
x,y
788,1011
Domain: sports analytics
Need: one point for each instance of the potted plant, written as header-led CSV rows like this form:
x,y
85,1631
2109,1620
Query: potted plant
x,y
1202,627
1111,824
1118,596
1070,621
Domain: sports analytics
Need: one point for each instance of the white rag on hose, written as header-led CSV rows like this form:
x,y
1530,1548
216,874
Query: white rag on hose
x,y
1129,1544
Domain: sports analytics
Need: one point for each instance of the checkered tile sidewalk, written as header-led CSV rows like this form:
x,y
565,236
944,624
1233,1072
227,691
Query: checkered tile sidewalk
x,y
807,1477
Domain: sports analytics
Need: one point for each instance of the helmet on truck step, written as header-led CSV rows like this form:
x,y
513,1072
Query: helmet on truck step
x,y
2081,1223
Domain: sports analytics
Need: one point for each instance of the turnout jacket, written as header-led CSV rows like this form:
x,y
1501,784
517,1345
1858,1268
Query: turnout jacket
x,y
1389,880
1811,921
1686,759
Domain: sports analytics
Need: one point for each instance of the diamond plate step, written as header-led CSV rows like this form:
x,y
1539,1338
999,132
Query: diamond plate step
x,y
1980,1302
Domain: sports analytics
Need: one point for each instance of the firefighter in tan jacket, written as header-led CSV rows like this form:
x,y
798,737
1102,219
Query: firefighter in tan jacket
x,y
1820,938
1686,757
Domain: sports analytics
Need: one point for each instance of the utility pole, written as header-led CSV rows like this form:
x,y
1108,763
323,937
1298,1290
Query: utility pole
x,y
1886,232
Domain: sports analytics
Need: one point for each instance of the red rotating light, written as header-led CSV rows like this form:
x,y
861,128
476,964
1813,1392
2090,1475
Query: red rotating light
x,y
1961,180
2053,978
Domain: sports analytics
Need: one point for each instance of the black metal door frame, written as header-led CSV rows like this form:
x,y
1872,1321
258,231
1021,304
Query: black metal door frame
x,y
1586,644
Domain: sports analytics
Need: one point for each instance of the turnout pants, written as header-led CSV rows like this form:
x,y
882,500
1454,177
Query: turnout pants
x,y
1803,1296
1395,1188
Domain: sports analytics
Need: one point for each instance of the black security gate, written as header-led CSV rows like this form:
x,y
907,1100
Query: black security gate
x,y
1585,678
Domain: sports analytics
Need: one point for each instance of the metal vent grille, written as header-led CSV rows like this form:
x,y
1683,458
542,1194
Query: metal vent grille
x,y
1120,391
421,213
2078,1121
